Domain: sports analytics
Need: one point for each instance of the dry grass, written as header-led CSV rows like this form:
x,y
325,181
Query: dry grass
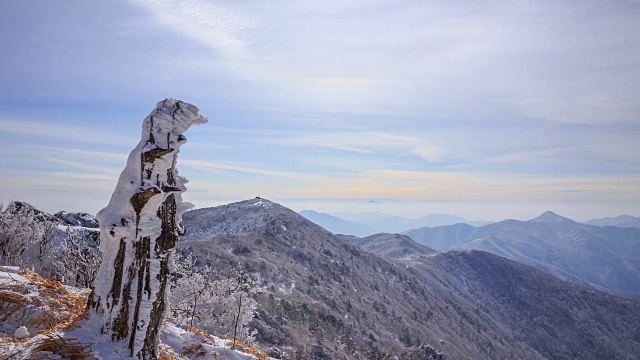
x,y
194,350
259,354
68,348
196,330
166,353
60,309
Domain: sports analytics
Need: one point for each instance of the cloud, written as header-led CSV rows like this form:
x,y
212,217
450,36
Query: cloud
x,y
365,142
212,25
58,131
87,167
337,81
210,165
431,153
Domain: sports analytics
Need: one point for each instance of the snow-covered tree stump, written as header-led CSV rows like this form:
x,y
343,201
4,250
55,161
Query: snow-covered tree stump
x,y
138,232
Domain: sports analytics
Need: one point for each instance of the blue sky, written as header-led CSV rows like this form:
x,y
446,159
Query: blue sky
x,y
485,109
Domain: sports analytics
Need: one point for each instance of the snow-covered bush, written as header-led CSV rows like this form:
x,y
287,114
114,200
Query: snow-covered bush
x,y
26,235
77,259
222,305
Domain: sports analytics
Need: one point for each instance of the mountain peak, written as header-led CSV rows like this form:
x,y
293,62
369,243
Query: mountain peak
x,y
551,217
241,217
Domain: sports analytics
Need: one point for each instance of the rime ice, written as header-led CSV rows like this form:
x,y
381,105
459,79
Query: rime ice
x,y
139,229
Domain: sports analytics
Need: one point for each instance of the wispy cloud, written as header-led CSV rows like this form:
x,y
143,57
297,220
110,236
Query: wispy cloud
x,y
87,167
366,142
55,130
203,21
210,165
81,153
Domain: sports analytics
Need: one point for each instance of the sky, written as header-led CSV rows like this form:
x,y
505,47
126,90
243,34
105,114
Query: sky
x,y
483,109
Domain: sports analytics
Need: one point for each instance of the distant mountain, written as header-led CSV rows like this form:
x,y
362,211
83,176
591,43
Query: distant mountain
x,y
337,225
369,223
601,258
552,218
622,221
364,217
443,238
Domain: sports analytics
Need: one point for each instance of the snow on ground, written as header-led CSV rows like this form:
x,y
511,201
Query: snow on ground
x,y
54,318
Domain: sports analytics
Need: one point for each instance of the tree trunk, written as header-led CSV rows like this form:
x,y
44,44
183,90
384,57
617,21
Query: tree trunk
x,y
138,232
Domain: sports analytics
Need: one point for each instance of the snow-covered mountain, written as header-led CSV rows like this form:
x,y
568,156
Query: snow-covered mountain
x,y
606,258
323,298
77,219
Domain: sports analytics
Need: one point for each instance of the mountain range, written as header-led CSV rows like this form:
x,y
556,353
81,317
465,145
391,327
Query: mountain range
x,y
369,223
618,221
385,296
323,296
605,258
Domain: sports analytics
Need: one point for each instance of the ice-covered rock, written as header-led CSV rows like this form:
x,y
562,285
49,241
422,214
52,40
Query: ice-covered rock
x,y
139,229
77,219
21,333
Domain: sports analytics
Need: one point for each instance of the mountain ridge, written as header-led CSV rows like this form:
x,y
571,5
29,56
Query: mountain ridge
x,y
357,298
370,223
605,258
617,221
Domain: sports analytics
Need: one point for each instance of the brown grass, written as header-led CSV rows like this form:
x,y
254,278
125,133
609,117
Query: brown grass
x,y
61,308
68,348
259,354
166,353
194,350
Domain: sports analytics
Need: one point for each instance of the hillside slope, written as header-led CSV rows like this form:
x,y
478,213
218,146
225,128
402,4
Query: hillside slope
x,y
557,319
323,298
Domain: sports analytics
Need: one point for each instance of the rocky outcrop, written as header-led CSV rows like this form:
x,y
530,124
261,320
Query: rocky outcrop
x,y
77,219
138,232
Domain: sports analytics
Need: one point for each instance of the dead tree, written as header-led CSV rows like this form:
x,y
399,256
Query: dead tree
x,y
138,232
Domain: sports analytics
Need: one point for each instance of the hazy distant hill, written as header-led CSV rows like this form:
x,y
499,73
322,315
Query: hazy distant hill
x,y
598,257
337,225
443,238
323,298
618,221
369,223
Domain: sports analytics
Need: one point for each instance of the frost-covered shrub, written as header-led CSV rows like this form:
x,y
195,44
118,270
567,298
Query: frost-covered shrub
x,y
77,260
26,235
222,305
